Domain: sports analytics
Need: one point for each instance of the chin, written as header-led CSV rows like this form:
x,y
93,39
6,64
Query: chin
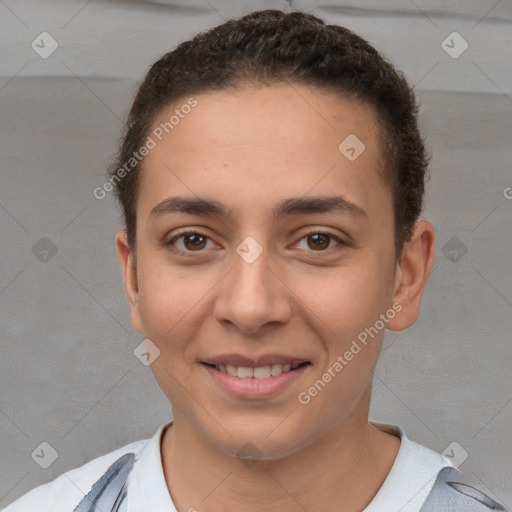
x,y
261,441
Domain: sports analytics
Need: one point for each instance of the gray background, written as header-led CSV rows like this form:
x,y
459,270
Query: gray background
x,y
68,373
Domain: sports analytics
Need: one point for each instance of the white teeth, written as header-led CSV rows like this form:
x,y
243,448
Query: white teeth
x,y
276,369
260,372
244,372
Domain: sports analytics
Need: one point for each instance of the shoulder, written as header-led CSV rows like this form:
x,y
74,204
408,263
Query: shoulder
x,y
455,491
449,489
65,492
422,480
411,477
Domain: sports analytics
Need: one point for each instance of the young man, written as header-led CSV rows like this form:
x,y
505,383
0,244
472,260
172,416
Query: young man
x,y
271,178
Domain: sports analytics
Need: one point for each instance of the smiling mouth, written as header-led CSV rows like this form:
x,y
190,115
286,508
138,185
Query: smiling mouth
x,y
258,372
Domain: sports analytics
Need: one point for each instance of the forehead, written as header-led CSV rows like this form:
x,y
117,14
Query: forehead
x,y
254,146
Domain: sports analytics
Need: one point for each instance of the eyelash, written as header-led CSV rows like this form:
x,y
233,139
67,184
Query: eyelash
x,y
191,231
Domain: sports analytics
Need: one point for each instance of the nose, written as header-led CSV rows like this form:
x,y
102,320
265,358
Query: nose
x,y
253,296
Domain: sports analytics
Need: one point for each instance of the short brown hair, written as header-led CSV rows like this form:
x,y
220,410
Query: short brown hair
x,y
272,46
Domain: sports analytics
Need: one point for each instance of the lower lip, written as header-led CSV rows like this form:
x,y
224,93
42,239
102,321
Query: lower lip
x,y
255,388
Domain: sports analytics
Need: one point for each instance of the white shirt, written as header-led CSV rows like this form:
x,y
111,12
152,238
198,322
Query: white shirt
x,y
405,489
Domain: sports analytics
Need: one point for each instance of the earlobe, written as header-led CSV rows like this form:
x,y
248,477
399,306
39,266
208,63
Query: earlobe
x,y
130,279
412,272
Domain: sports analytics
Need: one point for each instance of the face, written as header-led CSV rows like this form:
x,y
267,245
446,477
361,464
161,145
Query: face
x,y
279,251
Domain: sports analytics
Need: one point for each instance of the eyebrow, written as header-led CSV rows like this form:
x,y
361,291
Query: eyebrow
x,y
291,206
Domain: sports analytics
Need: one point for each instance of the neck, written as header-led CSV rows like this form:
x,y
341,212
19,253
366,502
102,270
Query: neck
x,y
341,471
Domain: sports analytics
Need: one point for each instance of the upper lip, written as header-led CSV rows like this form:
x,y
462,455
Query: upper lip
x,y
253,362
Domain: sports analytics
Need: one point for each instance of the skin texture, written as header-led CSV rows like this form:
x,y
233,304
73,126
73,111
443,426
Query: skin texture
x,y
250,149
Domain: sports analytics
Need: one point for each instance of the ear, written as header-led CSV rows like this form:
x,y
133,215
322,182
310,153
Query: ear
x,y
129,268
412,272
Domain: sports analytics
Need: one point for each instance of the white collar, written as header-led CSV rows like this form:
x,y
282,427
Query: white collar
x,y
147,488
411,477
408,483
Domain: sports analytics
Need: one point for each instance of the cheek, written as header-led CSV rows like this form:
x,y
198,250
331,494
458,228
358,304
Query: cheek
x,y
163,301
345,313
346,301
171,305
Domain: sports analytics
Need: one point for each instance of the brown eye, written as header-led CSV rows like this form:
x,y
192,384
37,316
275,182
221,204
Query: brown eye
x,y
319,241
194,241
187,242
